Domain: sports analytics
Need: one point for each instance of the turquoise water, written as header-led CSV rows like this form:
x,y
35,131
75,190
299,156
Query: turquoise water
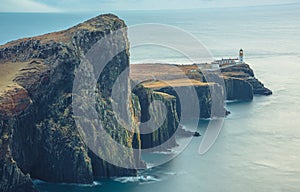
x,y
259,146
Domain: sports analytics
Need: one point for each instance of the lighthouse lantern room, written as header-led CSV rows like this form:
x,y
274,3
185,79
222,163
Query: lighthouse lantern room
x,y
241,56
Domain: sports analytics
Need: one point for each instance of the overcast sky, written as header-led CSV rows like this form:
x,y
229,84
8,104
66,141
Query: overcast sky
x,y
111,5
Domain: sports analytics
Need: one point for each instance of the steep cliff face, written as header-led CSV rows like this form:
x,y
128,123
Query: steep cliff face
x,y
157,132
41,138
204,100
240,82
170,94
11,178
238,89
236,82
239,74
187,84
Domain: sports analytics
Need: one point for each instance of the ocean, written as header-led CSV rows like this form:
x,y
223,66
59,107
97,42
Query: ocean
x,y
258,148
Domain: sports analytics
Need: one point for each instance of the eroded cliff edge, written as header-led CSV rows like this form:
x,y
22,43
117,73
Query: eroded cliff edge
x,y
213,88
37,125
237,81
39,138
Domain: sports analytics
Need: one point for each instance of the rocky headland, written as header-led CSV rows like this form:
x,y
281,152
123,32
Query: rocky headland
x,y
38,134
39,138
164,81
238,81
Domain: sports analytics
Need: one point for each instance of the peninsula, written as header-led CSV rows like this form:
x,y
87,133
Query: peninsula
x,y
38,134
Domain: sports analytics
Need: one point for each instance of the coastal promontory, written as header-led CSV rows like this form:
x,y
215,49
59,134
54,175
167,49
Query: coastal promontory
x,y
39,134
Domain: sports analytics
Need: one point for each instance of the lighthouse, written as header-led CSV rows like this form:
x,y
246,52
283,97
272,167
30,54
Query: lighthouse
x,y
241,56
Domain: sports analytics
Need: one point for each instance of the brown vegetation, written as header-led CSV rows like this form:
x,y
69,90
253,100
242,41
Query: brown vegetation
x,y
8,72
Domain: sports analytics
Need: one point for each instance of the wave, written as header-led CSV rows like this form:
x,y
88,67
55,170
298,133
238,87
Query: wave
x,y
265,164
168,152
137,179
95,183
150,165
283,170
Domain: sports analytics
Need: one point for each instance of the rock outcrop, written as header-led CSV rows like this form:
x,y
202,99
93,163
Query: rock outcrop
x,y
238,89
242,72
11,178
163,138
182,97
204,99
158,124
239,80
236,82
14,100
39,138
42,136
185,80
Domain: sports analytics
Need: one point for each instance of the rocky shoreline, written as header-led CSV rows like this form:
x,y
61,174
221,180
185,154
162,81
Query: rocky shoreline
x,y
38,134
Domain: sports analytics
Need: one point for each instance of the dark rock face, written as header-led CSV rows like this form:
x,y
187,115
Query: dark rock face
x,y
236,82
162,138
39,135
238,78
231,82
258,87
238,89
11,178
204,101
164,132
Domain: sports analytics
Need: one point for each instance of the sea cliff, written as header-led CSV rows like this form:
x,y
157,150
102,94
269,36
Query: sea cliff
x,y
212,87
39,138
160,133
40,135
237,81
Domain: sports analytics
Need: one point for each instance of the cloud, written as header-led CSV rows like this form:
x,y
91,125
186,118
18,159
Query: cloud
x,y
25,6
111,5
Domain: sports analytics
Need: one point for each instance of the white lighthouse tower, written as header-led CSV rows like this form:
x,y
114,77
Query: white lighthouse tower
x,y
241,56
